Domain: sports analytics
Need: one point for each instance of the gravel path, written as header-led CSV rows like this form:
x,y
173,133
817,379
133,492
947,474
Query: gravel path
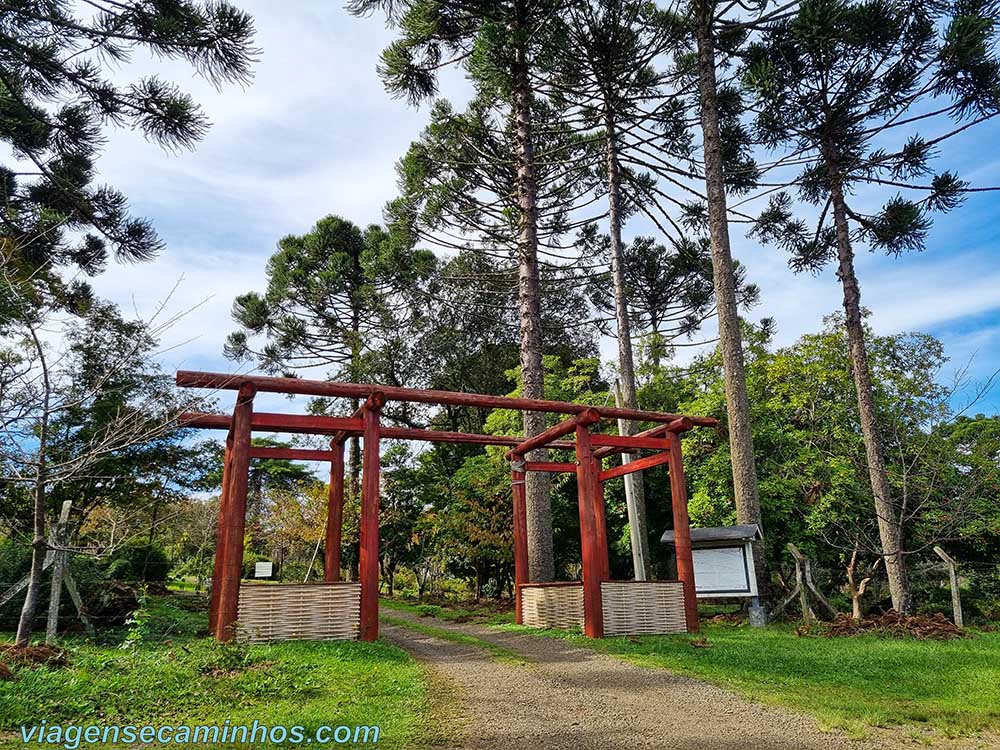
x,y
566,698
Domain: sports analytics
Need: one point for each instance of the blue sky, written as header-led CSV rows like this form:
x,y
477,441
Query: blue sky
x,y
316,134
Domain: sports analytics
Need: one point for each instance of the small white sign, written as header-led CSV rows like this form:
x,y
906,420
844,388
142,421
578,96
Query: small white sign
x,y
723,571
263,570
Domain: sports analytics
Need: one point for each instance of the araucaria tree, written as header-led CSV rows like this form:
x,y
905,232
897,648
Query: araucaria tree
x,y
334,297
605,78
55,97
709,31
499,45
839,83
337,297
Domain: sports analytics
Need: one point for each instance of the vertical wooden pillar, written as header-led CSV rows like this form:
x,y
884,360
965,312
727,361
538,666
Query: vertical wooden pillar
x,y
520,534
368,563
220,535
600,524
682,532
586,483
235,512
334,515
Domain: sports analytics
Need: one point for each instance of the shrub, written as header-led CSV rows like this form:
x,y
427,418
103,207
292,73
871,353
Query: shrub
x,y
139,563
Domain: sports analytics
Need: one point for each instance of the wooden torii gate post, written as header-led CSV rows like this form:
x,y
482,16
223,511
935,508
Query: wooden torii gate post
x,y
590,496
589,448
334,514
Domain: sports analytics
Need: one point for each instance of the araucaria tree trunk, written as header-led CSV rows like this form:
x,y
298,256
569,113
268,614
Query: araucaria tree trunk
x,y
730,338
890,533
635,494
541,561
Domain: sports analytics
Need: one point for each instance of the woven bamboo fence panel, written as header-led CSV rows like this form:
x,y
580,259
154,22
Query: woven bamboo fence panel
x,y
643,607
299,611
559,606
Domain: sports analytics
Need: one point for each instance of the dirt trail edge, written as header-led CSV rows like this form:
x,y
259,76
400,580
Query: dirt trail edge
x,y
575,699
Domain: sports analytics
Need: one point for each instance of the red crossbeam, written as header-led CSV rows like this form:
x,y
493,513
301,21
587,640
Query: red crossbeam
x,y
292,454
441,436
269,422
320,425
190,379
629,441
584,419
683,424
639,464
554,467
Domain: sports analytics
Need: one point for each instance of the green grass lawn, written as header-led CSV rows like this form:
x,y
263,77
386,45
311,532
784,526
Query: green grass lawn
x,y
851,683
174,676
482,614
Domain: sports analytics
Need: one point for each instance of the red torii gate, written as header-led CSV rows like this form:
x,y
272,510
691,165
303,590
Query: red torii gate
x,y
590,448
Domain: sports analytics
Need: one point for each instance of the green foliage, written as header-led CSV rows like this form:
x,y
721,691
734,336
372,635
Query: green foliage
x,y
137,624
139,562
107,586
335,296
836,78
812,465
113,393
57,95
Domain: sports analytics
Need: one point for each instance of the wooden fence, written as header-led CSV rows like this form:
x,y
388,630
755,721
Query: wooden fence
x,y
552,605
643,607
301,611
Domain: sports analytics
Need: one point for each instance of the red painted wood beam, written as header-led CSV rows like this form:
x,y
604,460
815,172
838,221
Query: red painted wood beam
x,y
359,413
220,534
190,379
682,533
646,462
586,481
586,418
291,423
442,436
270,422
554,467
292,454
629,441
236,509
316,424
334,516
521,571
678,425
368,562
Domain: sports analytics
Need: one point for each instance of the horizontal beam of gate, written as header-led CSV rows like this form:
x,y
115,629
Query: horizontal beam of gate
x,y
629,441
292,454
554,467
302,386
638,465
321,425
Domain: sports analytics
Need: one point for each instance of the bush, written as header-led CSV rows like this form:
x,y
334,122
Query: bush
x,y
984,593
139,563
15,560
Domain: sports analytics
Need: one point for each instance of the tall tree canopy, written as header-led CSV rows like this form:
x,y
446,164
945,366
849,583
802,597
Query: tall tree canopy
x,y
335,297
500,45
835,80
56,96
